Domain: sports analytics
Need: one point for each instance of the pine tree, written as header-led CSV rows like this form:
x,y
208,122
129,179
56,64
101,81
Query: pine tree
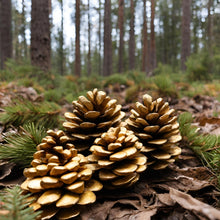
x,y
61,43
185,36
209,27
23,29
175,31
152,37
77,39
121,38
132,36
40,34
107,65
89,42
5,31
100,38
145,58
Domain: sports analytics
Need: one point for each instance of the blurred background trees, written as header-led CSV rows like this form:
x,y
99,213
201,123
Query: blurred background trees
x,y
109,36
5,31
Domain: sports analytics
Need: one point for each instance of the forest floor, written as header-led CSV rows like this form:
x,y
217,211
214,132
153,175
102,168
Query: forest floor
x,y
184,190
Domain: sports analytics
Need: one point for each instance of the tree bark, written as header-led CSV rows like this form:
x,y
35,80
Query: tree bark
x,y
40,35
121,29
132,37
77,40
23,29
209,27
145,59
175,31
5,31
89,42
152,37
107,65
61,41
185,29
100,38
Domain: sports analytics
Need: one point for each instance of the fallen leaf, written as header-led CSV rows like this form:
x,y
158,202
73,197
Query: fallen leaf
x,y
5,169
190,203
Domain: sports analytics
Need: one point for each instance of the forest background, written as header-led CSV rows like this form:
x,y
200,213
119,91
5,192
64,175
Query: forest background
x,y
140,35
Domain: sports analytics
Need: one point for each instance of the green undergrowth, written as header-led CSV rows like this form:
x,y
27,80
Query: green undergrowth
x,y
206,146
20,147
20,112
165,80
15,205
165,85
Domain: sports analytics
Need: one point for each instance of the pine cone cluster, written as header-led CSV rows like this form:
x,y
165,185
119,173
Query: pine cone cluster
x,y
117,154
59,179
92,116
156,126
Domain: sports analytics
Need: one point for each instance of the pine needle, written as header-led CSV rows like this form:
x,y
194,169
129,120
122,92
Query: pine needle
x,y
23,111
20,147
15,205
206,146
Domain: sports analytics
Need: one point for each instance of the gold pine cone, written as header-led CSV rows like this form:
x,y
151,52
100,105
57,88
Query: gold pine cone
x,y
117,154
92,115
59,179
156,126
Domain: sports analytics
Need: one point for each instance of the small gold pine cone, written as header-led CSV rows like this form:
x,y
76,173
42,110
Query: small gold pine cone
x,y
59,179
91,117
117,154
156,126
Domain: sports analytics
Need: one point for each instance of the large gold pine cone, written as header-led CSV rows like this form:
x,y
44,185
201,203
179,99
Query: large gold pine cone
x,y
59,179
117,153
156,126
92,115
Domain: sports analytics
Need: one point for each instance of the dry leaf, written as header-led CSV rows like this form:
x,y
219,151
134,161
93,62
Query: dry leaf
x,y
5,169
190,203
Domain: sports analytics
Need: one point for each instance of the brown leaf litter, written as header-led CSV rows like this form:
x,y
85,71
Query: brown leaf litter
x,y
184,190
176,193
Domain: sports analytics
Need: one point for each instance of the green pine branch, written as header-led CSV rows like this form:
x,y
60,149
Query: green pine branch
x,y
20,147
206,146
23,111
16,205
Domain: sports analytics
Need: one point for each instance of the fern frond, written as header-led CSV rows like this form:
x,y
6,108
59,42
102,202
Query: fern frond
x,y
23,111
206,146
16,205
20,147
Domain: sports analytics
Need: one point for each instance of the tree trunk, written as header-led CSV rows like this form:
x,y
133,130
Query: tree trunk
x,y
40,34
209,27
23,29
196,18
185,35
89,42
121,29
152,38
145,59
132,37
77,40
107,65
100,38
60,41
5,31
